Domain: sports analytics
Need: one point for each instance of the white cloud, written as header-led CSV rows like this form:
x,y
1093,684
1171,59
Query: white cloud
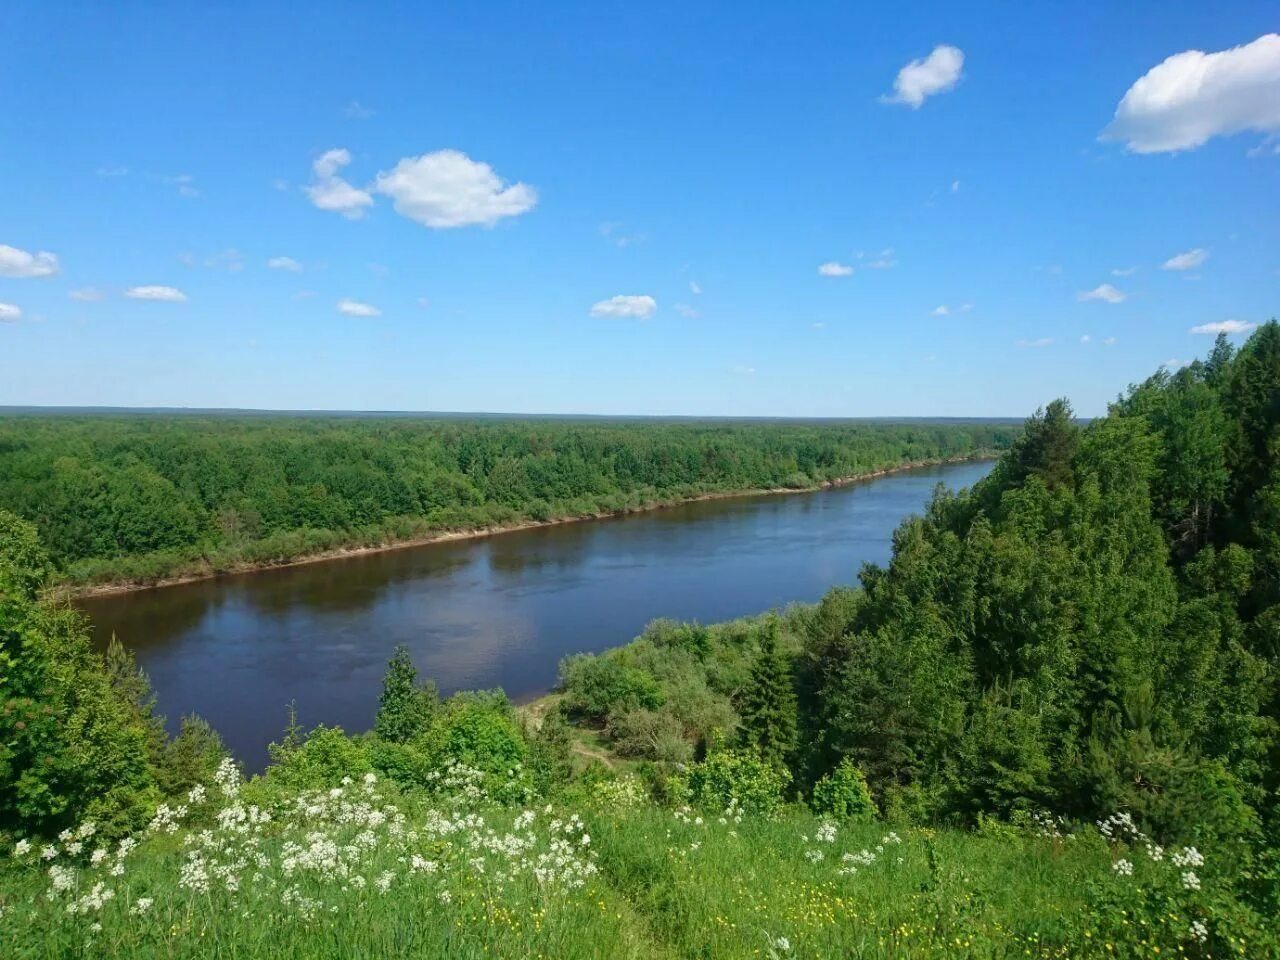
x,y
936,73
355,110
1104,292
941,310
21,264
9,313
691,313
152,292
354,308
833,269
1109,341
743,371
694,287
1186,261
87,295
285,263
612,230
1124,271
1225,326
1193,96
1086,338
1042,342
1173,363
639,307
330,192
448,189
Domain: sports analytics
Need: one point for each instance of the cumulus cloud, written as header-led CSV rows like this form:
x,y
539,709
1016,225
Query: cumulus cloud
x,y
87,295
354,308
154,292
624,306
937,73
285,263
9,313
1186,261
1104,292
1192,96
833,269
1225,326
328,191
448,189
21,264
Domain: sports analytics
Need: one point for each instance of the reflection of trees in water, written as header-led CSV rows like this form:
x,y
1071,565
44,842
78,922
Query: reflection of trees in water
x,y
346,585
150,618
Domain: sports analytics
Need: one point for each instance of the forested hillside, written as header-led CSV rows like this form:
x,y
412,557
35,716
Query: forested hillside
x,y
1048,728
144,496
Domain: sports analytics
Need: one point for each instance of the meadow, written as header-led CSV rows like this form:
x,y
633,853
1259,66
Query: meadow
x,y
363,870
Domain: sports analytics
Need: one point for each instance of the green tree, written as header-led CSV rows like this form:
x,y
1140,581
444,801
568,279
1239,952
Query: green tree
x,y
406,706
768,706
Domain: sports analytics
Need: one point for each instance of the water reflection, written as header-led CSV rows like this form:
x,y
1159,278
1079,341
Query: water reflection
x,y
494,612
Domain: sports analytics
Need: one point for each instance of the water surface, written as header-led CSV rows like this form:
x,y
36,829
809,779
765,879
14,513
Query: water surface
x,y
499,611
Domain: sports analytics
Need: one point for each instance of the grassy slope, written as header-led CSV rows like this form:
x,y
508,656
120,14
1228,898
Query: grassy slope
x,y
666,887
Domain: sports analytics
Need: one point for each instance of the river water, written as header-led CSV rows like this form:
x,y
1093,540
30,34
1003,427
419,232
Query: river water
x,y
496,611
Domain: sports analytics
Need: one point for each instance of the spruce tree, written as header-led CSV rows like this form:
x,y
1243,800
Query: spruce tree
x,y
405,706
768,707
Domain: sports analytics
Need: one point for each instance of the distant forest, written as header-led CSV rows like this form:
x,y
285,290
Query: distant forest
x,y
140,497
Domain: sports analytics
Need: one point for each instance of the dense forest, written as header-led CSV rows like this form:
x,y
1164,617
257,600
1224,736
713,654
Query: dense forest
x,y
1049,727
144,496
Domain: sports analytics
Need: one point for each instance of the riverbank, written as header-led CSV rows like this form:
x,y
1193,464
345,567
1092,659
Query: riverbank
x,y
202,569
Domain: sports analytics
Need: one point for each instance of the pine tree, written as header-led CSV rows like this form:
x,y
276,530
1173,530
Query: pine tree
x,y
405,706
768,707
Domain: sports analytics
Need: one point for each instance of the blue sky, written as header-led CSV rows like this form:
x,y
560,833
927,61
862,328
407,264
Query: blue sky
x,y
489,178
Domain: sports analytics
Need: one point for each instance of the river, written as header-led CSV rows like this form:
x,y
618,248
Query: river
x,y
494,611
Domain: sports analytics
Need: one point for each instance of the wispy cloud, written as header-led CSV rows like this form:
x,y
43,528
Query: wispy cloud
x,y
1124,271
1104,292
623,306
691,313
1186,261
743,371
87,295
354,308
1225,326
1041,342
156,292
833,269
941,310
285,263
355,110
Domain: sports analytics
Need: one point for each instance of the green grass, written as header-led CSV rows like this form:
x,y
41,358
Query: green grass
x,y
621,877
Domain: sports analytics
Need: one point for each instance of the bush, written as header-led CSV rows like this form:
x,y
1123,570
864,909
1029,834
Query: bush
x,y
843,794
191,757
595,687
322,760
730,775
650,735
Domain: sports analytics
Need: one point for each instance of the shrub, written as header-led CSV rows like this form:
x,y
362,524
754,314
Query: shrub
x,y
322,760
843,794
595,687
729,775
650,735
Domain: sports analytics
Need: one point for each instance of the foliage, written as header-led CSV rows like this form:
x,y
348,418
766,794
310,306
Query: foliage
x,y
736,778
843,794
405,707
768,704
139,497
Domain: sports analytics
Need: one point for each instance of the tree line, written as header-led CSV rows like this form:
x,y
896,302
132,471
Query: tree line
x,y
143,496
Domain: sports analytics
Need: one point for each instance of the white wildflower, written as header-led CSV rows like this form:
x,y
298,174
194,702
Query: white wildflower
x,y
1123,868
1199,931
1190,881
